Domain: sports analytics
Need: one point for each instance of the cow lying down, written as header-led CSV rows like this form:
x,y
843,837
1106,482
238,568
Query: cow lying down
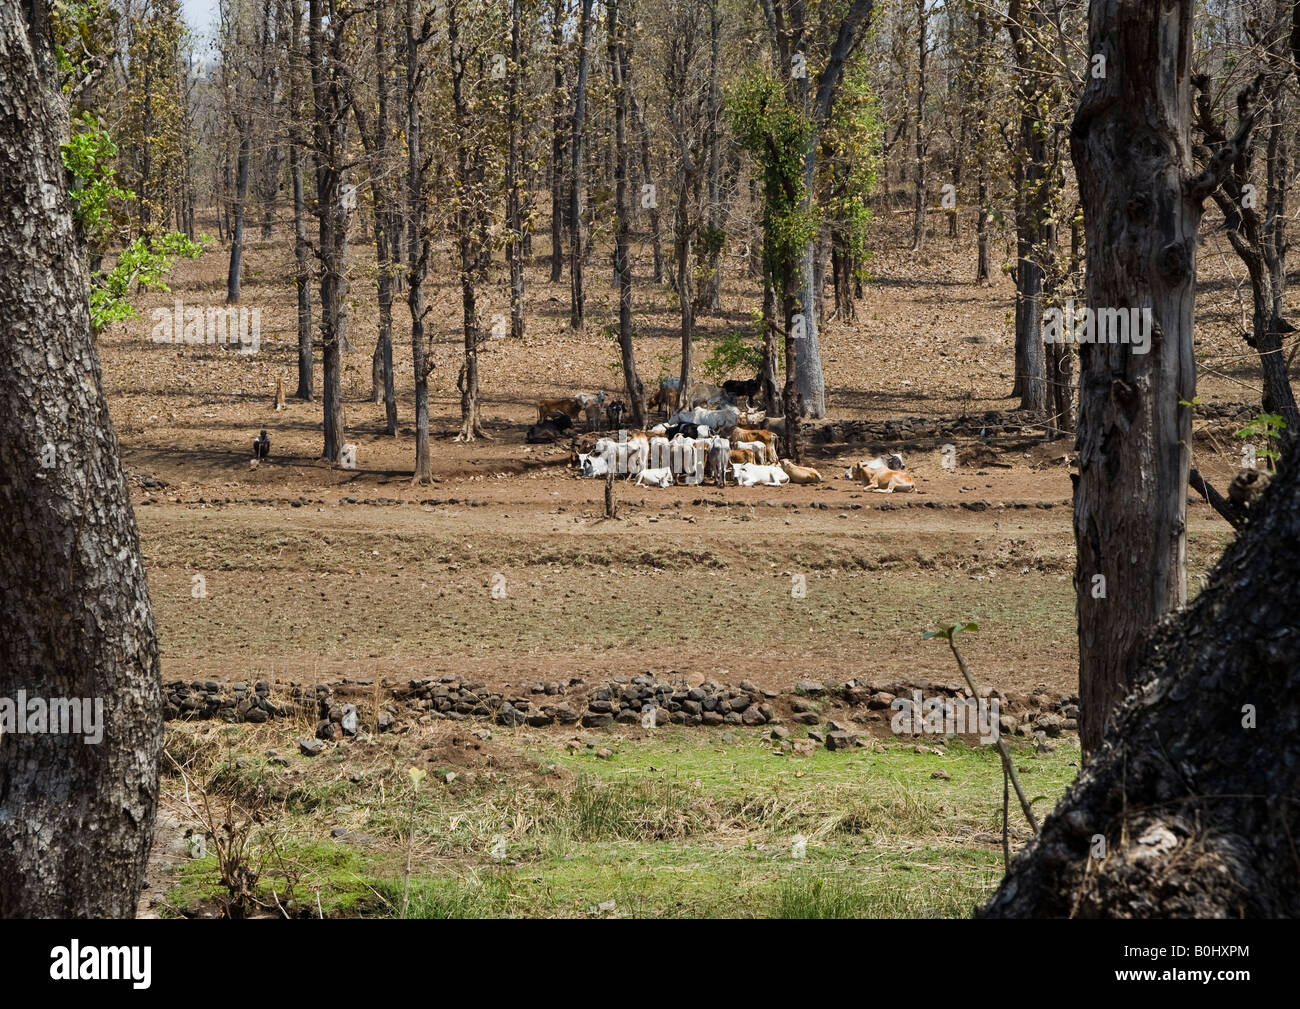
x,y
650,477
800,474
882,475
592,465
749,474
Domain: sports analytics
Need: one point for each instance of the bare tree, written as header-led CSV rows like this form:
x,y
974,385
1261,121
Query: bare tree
x,y
576,252
418,30
301,244
619,65
327,36
387,254
514,173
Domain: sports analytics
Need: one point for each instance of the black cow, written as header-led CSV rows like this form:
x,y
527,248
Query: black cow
x,y
549,431
749,388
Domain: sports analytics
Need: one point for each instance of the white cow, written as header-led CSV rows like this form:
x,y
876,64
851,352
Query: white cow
x,y
750,474
757,447
592,465
661,477
722,419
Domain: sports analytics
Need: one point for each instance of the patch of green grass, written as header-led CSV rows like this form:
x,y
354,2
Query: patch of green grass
x,y
677,824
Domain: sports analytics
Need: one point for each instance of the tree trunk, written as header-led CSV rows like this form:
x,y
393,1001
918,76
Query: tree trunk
x,y
76,818
386,255
1130,144
241,193
790,405
301,246
685,296
576,180
469,233
1195,798
709,299
417,242
514,195
329,103
1033,194
557,144
656,234
771,388
622,225
918,206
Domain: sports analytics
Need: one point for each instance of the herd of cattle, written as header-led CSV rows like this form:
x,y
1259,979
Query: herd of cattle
x,y
710,435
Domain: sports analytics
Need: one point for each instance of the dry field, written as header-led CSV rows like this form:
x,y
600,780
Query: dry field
x,y
316,574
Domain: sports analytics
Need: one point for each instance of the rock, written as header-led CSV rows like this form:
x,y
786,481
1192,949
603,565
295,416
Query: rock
x,y
808,718
880,699
857,695
816,736
564,714
729,737
711,718
780,732
310,747
1051,724
280,761
386,720
768,712
841,739
800,706
325,729
732,718
600,705
510,715
538,719
596,720
628,716
941,775
753,716
605,753
740,703
1007,723
255,715
810,687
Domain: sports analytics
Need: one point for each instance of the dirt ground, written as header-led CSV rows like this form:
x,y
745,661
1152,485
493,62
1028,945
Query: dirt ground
x,y
312,572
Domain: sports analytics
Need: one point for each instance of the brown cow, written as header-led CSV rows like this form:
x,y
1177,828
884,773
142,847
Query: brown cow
x,y
754,434
800,474
569,406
